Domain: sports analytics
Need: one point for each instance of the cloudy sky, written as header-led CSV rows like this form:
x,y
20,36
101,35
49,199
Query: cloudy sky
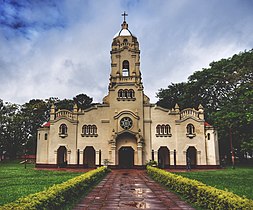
x,y
62,48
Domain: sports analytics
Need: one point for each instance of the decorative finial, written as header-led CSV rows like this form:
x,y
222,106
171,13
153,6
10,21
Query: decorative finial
x,y
124,14
75,108
200,107
52,108
176,107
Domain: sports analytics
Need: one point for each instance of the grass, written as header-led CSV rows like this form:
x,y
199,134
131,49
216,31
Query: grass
x,y
238,181
16,181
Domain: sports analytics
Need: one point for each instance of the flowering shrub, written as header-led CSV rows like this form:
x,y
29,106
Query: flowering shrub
x,y
57,196
198,193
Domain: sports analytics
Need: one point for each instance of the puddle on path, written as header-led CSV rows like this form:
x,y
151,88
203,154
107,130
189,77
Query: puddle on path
x,y
138,205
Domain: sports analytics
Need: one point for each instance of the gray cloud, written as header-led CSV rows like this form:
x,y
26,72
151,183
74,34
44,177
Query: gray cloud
x,y
63,49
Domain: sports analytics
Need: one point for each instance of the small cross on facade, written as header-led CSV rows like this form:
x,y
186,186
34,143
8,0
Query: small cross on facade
x,y
124,14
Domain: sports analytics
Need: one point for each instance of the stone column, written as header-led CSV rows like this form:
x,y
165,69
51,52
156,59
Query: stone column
x,y
139,154
97,157
81,157
171,157
198,157
113,156
68,156
184,158
156,156
55,157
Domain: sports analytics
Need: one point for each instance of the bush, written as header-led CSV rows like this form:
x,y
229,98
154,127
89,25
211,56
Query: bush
x,y
198,193
58,196
151,163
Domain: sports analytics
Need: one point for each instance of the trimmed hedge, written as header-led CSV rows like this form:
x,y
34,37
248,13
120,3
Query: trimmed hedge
x,y
58,196
198,193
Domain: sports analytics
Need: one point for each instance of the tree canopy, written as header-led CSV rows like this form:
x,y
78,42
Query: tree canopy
x,y
19,123
225,89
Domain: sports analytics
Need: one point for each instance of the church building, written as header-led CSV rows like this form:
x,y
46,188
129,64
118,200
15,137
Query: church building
x,y
126,130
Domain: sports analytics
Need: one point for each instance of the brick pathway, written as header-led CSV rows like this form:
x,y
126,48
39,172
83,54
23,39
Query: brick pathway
x,y
130,189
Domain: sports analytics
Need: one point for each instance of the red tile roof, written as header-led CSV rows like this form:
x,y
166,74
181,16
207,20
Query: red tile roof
x,y
46,125
207,124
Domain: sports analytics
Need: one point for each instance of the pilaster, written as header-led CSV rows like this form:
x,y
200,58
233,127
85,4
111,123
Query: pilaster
x,y
97,157
171,157
139,153
156,156
81,158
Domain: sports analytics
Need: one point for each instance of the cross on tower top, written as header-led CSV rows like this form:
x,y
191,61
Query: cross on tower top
x,y
124,14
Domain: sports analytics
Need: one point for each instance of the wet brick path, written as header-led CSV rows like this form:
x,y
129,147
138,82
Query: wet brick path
x,y
130,189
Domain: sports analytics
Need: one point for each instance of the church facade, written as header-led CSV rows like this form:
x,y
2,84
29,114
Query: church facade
x,y
126,130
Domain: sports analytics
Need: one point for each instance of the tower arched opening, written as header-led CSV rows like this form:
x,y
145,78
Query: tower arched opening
x,y
125,68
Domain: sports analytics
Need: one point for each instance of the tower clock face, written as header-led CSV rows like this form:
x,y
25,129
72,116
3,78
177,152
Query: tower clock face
x,y
126,123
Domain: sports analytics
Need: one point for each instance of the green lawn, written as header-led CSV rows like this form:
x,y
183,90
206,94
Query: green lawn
x,y
16,181
238,180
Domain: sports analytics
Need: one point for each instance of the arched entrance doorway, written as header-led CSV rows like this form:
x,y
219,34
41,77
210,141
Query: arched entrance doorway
x,y
126,147
192,154
62,157
89,157
126,157
163,157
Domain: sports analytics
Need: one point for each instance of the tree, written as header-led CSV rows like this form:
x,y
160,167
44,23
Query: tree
x,y
11,129
226,91
64,104
34,114
175,93
19,123
83,101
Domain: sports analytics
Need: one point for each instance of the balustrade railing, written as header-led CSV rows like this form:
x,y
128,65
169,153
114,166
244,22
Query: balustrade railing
x,y
64,113
189,112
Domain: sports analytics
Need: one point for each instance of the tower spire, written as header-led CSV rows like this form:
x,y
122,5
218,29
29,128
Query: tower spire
x,y
124,14
124,25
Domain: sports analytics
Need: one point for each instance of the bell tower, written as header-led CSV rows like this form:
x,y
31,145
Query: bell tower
x,y
125,59
125,85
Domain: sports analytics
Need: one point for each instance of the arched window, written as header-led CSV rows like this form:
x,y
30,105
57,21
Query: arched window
x,y
120,93
125,68
208,136
167,129
63,129
94,128
158,129
190,131
84,129
131,93
89,130
45,136
163,130
125,93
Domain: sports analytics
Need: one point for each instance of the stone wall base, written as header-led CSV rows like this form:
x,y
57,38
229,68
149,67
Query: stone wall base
x,y
41,165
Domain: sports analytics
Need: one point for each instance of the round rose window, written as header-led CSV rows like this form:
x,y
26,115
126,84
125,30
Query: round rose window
x,y
126,123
